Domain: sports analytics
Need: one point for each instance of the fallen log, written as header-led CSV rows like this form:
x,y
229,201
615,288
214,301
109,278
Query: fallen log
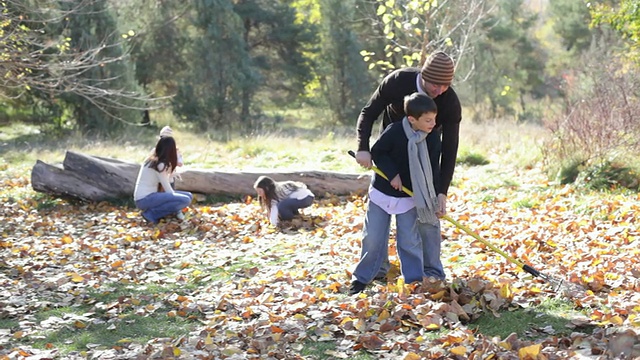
x,y
93,178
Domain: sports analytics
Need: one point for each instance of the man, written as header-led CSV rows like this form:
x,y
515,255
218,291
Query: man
x,y
434,79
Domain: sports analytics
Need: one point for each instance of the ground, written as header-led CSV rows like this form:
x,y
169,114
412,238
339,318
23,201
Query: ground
x,y
96,281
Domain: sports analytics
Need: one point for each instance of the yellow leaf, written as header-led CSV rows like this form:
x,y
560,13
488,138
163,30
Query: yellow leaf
x,y
66,239
321,277
505,291
616,320
384,315
432,326
18,334
77,278
177,244
530,351
400,285
505,345
439,295
117,264
125,340
412,356
208,340
176,351
536,290
459,350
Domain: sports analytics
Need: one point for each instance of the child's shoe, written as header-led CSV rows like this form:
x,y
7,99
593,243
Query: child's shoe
x,y
356,287
180,215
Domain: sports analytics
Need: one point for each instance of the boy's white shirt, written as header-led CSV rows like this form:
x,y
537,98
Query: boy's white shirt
x,y
390,204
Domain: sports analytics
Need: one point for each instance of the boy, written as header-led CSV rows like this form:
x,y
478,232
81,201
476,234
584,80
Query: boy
x,y
402,154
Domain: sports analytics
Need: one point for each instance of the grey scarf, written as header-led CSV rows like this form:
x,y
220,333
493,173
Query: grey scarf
x,y
424,194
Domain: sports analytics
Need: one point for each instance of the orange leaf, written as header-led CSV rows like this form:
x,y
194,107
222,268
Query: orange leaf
x,y
276,329
79,324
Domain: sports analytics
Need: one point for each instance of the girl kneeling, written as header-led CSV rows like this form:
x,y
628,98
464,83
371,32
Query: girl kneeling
x,y
282,199
159,201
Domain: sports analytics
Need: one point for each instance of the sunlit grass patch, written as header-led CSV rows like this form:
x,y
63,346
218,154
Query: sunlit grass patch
x,y
467,157
550,317
524,203
129,329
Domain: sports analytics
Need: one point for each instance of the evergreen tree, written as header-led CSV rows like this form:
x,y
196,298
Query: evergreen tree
x,y
508,62
210,93
94,28
66,58
571,23
346,83
277,42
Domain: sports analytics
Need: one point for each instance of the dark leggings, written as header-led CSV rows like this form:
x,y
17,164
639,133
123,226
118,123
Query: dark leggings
x,y
288,208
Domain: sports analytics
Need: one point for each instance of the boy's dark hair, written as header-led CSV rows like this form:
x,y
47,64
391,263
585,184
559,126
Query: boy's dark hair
x,y
417,104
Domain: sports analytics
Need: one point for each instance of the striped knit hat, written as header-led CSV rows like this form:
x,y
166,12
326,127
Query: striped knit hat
x,y
438,69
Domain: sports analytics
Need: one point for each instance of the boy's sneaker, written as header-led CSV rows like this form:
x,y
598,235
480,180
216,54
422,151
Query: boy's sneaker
x,y
180,215
356,287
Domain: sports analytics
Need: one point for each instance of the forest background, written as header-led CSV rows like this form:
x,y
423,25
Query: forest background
x,y
98,69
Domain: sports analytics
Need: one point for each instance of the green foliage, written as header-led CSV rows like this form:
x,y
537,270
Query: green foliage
x,y
609,175
508,63
242,50
569,171
66,66
343,85
623,17
571,20
550,316
467,157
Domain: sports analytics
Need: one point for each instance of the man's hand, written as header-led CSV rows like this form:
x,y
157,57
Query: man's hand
x,y
364,159
442,205
396,183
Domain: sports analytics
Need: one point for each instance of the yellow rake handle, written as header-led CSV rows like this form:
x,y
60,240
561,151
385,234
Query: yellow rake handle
x,y
464,228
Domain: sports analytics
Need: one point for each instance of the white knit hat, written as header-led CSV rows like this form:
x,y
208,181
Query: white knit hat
x,y
166,132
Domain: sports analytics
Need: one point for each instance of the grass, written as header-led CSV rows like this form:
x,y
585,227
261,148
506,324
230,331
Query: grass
x,y
549,317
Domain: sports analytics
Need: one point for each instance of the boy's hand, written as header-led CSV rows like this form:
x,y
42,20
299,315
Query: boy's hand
x,y
442,205
396,183
364,159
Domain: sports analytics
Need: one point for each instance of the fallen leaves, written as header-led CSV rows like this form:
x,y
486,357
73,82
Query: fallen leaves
x,y
251,290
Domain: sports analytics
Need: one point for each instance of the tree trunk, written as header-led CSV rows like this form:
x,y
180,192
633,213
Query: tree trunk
x,y
92,178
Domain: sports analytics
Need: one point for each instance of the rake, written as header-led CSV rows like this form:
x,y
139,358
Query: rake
x,y
554,282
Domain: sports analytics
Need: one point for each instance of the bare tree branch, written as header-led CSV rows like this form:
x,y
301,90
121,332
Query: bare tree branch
x,y
33,60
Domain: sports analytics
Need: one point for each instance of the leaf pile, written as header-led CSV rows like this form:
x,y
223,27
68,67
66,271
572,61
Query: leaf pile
x,y
249,290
